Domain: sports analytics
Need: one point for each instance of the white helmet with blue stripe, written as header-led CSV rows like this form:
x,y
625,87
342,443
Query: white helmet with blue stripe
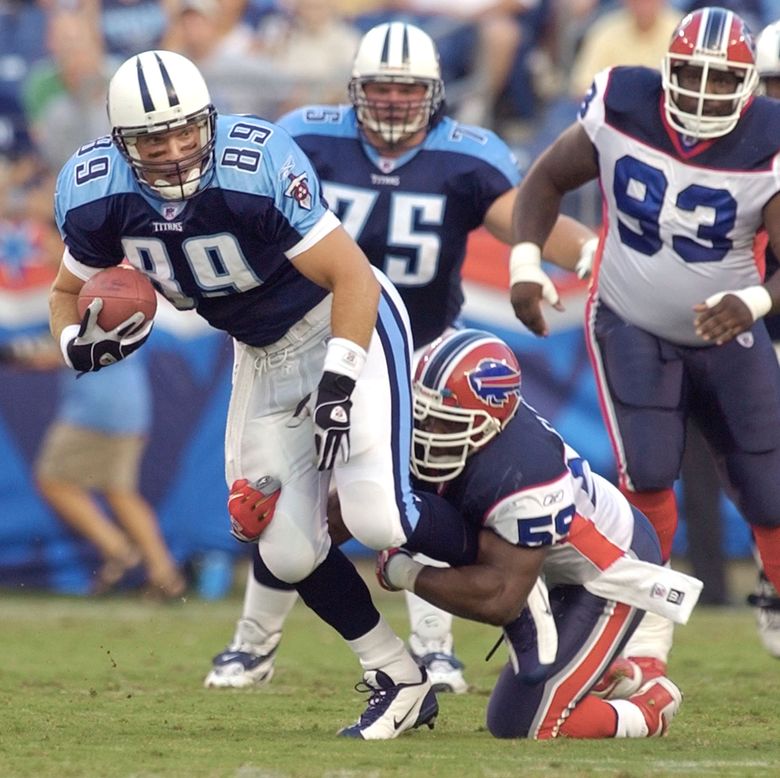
x,y
397,52
155,92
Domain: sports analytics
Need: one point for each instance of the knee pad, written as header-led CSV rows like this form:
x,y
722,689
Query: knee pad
x,y
371,514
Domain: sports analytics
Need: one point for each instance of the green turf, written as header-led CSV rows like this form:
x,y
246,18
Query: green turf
x,y
113,688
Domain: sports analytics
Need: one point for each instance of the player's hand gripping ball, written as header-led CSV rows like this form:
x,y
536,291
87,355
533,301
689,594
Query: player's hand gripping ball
x,y
124,291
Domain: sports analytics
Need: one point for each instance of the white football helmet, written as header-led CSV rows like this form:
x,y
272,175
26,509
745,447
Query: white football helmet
x,y
712,39
768,52
396,52
157,91
466,390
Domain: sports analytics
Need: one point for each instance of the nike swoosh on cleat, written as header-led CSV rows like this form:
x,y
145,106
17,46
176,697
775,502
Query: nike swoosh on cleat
x,y
397,723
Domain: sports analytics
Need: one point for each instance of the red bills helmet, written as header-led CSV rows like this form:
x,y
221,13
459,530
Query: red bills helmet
x,y
714,41
466,389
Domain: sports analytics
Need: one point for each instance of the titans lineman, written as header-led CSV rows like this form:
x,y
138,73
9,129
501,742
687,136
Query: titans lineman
x,y
689,165
409,184
225,214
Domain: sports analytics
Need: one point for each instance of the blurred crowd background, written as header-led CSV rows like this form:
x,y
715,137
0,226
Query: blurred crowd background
x,y
519,67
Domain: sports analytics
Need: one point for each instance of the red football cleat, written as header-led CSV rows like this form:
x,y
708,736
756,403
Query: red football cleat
x,y
659,700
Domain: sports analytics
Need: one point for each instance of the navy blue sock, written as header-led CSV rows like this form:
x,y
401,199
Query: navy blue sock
x,y
336,592
442,533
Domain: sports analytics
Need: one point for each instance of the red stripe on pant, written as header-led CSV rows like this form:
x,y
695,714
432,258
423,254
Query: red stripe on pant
x,y
572,687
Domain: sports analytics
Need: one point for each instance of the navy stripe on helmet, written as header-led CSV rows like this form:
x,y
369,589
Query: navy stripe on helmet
x,y
437,368
146,97
385,58
173,97
405,45
716,29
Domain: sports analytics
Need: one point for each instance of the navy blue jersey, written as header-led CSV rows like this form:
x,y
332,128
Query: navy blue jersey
x,y
412,215
225,251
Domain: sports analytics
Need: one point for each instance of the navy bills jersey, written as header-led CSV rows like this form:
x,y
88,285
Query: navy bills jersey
x,y
223,252
411,215
680,215
534,490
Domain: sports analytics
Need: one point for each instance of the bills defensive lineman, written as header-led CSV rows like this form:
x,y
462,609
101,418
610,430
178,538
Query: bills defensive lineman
x,y
225,214
544,512
409,184
689,165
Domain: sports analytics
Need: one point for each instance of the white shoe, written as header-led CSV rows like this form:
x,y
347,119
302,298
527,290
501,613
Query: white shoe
x,y
393,708
247,662
437,657
767,603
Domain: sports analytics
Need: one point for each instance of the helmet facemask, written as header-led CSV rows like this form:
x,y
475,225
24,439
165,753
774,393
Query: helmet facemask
x,y
177,180
396,122
700,120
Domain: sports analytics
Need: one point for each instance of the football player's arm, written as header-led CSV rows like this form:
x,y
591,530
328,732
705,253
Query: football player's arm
x,y
493,590
565,244
63,298
338,264
567,164
722,316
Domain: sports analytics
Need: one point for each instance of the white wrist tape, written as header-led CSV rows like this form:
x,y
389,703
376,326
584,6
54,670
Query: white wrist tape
x,y
525,265
757,299
402,571
345,357
66,336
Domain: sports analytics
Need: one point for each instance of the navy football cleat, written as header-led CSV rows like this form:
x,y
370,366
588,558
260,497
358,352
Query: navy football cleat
x,y
393,708
247,662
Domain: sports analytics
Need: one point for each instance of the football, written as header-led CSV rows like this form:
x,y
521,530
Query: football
x,y
124,290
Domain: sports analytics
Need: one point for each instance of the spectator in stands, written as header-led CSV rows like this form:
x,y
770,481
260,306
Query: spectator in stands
x,y
64,95
636,34
312,46
131,26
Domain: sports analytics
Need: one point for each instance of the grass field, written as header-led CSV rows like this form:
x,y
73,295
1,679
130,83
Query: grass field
x,y
112,688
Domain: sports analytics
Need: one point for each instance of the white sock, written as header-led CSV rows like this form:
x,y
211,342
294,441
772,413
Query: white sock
x,y
630,720
382,649
268,607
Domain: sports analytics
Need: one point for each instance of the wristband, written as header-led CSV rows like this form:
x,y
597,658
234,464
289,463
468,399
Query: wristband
x,y
345,358
66,336
401,571
756,298
523,258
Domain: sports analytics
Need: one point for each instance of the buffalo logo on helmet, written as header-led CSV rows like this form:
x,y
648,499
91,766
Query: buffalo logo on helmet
x,y
494,382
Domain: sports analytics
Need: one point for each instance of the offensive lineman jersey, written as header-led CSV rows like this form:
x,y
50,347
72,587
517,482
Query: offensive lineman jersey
x,y
681,217
534,490
411,215
226,251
